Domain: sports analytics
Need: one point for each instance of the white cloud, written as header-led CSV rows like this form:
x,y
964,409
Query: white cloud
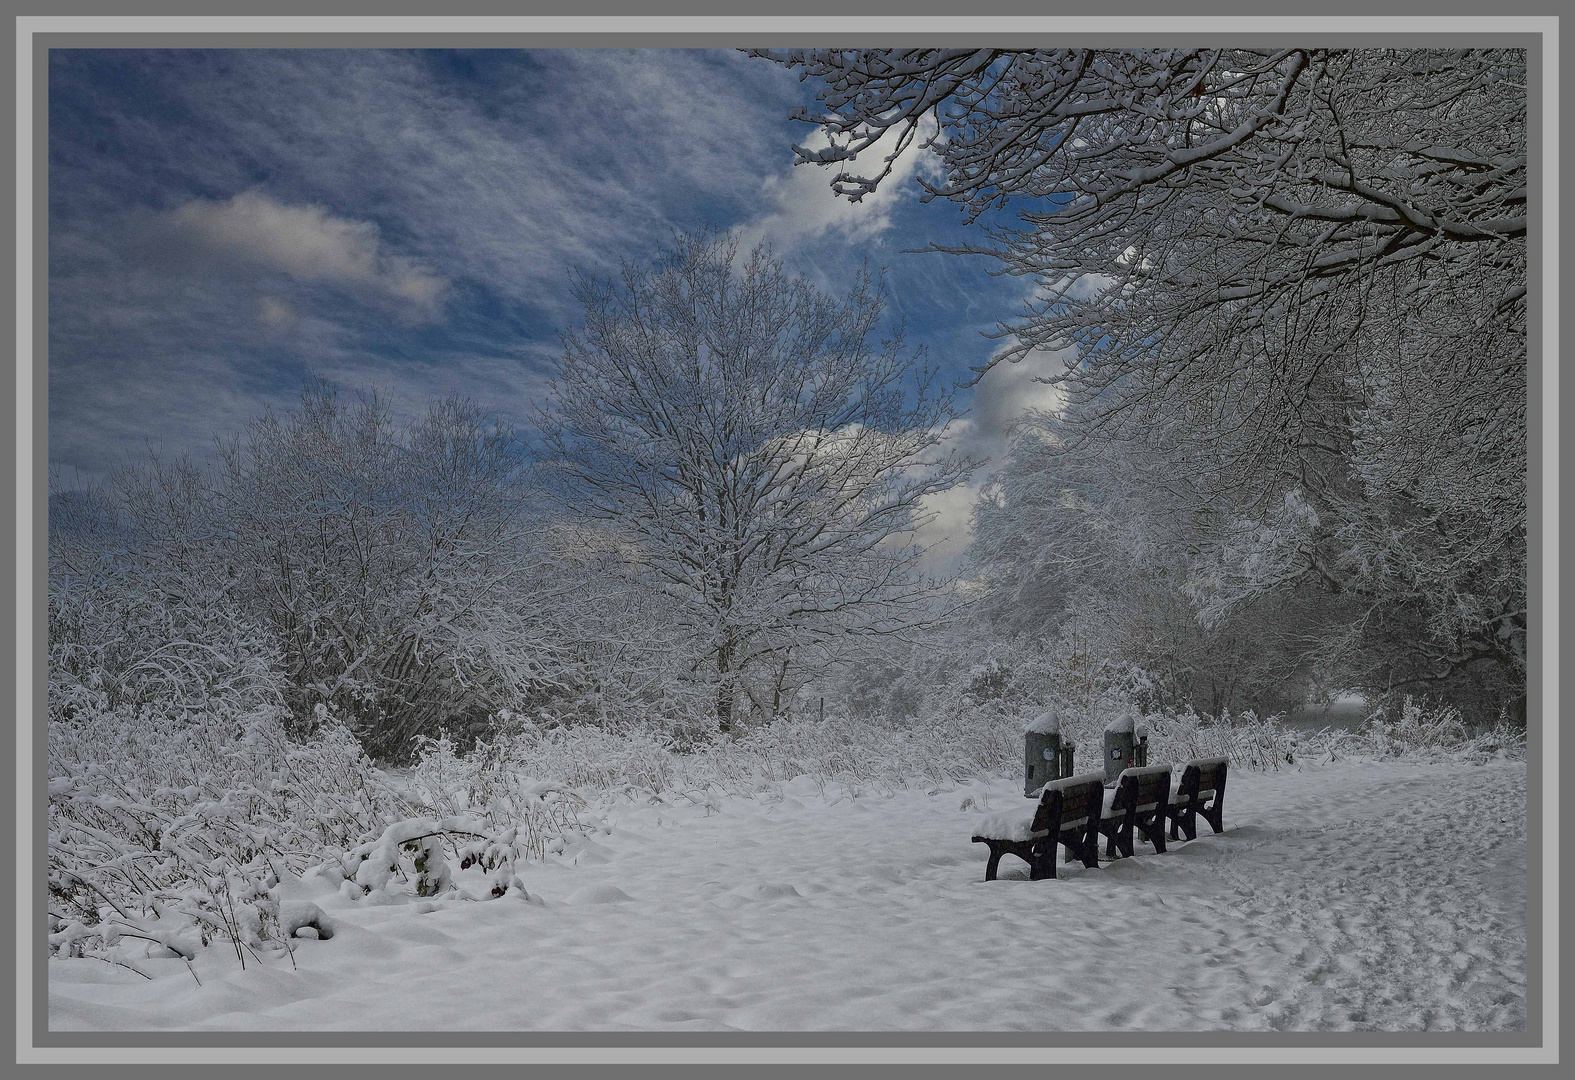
x,y
310,245
803,208
1006,393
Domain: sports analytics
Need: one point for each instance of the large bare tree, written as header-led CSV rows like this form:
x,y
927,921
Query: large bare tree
x,y
767,461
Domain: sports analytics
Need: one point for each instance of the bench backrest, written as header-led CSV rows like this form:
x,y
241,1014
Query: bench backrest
x,y
1201,776
1144,787
1079,797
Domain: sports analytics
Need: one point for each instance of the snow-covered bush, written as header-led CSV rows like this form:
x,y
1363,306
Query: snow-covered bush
x,y
513,817
988,681
177,801
1433,731
179,832
412,850
391,562
524,779
178,829
1249,742
1420,733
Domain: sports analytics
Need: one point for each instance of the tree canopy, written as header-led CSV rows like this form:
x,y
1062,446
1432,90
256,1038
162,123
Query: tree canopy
x,y
1261,275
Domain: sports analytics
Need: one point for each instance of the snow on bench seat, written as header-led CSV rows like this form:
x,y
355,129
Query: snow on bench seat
x,y
1012,825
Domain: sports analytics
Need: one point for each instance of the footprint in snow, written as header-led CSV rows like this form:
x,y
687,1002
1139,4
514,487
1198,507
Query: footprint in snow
x,y
598,894
762,890
768,891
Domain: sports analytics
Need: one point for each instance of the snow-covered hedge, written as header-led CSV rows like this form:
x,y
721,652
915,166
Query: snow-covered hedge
x,y
177,829
1421,732
861,756
1430,732
531,778
178,832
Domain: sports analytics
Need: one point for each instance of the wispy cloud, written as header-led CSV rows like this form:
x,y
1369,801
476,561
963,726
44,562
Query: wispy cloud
x,y
223,223
310,245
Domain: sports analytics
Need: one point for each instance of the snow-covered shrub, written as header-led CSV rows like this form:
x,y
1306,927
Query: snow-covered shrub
x,y
1433,731
1249,742
178,829
412,850
877,688
987,681
529,774
512,818
179,832
397,573
177,800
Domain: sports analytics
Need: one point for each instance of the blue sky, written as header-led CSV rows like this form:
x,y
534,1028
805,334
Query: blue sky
x,y
225,223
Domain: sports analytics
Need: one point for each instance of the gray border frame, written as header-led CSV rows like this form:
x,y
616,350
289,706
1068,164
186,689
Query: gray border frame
x,y
1533,1036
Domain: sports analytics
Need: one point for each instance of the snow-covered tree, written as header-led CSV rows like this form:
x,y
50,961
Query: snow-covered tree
x,y
765,460
394,567
1294,274
1094,542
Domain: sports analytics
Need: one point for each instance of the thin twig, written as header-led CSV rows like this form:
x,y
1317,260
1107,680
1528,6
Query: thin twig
x,y
119,963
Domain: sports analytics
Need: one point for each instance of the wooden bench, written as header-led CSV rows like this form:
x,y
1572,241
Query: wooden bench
x,y
1067,814
1141,799
1201,781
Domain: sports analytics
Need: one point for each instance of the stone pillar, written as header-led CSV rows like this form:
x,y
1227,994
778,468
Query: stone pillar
x,y
1120,754
1041,760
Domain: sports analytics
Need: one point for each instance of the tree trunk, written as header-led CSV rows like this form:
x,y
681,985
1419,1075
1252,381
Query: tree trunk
x,y
724,688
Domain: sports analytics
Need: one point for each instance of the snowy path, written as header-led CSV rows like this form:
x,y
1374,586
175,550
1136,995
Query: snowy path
x,y
1342,897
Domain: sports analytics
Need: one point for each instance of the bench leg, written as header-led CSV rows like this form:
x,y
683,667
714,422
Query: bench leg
x,y
1090,852
1154,832
1215,816
995,861
1042,864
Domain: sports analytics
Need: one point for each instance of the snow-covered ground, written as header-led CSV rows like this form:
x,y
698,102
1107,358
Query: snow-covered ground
x,y
1350,896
